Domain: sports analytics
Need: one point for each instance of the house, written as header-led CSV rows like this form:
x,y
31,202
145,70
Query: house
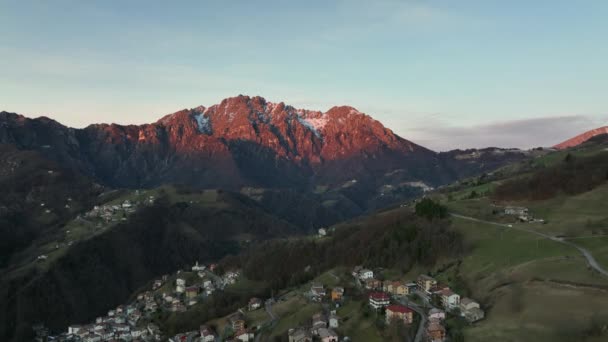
x,y
334,320
449,299
470,310
399,313
299,335
396,288
366,274
436,315
425,283
198,268
254,304
138,332
474,315
373,284
516,211
192,292
468,304
317,292
435,332
337,293
74,329
378,300
318,321
322,232
90,337
244,336
206,334
180,282
237,321
328,335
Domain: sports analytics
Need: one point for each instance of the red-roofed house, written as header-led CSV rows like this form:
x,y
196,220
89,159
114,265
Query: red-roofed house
x,y
378,300
399,313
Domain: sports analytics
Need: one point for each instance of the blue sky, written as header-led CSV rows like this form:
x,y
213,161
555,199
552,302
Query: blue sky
x,y
445,74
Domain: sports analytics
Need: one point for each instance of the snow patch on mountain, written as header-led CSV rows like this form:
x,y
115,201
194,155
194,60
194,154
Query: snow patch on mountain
x,y
203,122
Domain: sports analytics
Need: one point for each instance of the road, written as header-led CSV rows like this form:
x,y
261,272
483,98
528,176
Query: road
x,y
273,319
421,311
588,256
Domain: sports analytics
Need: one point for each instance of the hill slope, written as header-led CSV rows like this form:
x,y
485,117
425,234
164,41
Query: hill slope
x,y
581,138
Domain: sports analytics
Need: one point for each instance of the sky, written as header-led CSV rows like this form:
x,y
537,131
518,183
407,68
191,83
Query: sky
x,y
445,74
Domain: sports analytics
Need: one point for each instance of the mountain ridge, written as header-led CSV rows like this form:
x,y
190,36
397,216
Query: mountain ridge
x,y
581,138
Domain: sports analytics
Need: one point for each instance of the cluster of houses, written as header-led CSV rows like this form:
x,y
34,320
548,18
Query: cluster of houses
x,y
207,334
322,324
237,323
321,329
124,323
382,293
112,212
450,301
132,322
521,213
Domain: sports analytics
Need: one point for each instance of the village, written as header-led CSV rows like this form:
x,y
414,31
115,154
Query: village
x,y
396,301
133,321
423,304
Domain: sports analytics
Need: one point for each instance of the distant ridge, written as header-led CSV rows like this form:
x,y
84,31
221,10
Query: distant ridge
x,y
581,138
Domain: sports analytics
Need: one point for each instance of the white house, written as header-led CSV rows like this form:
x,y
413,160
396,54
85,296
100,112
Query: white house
x,y
322,232
449,299
366,274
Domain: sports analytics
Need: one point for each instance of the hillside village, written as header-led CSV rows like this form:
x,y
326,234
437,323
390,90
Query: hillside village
x,y
134,321
423,304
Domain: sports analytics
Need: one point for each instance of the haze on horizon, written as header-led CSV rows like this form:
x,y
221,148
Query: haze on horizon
x,y
443,74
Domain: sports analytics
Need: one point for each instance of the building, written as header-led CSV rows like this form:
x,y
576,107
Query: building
x,y
399,313
328,335
192,292
244,335
254,304
474,315
337,293
198,268
468,304
471,310
322,232
299,335
373,284
425,283
436,315
237,321
435,332
449,299
396,288
334,320
318,321
366,274
378,300
317,292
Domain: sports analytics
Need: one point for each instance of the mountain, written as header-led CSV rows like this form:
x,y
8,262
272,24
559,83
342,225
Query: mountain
x,y
581,138
248,141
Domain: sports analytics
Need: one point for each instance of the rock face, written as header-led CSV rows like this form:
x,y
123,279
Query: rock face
x,y
581,138
241,141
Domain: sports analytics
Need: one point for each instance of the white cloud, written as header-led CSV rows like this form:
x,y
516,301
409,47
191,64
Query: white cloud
x,y
524,133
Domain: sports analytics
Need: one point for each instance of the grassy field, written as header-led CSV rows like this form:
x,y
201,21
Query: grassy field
x,y
293,313
533,289
355,325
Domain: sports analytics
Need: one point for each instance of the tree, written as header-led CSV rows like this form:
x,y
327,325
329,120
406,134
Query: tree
x,y
430,209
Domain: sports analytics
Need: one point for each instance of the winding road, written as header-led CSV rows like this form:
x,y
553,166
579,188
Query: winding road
x,y
585,252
